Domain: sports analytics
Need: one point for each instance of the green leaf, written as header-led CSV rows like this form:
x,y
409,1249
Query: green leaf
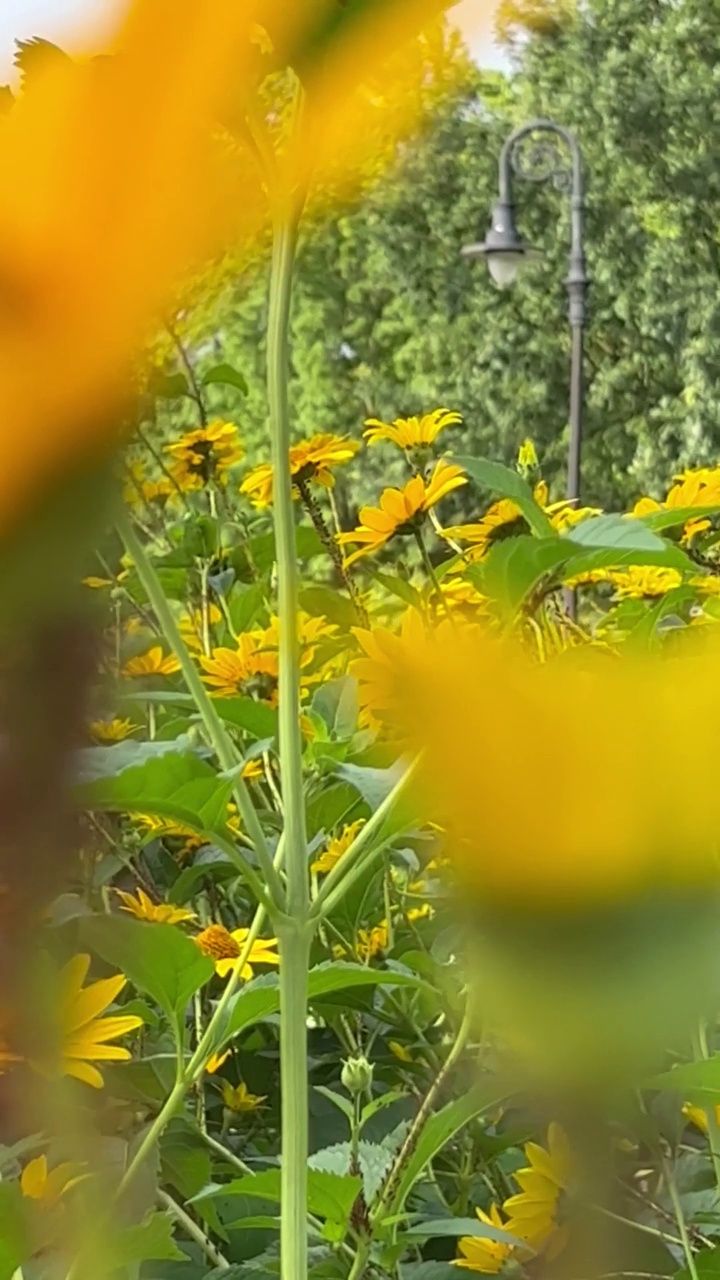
x,y
256,718
506,483
15,1243
181,787
330,1195
184,1158
244,605
399,587
322,602
374,785
515,567
696,1081
659,520
707,1266
168,386
148,1240
338,1100
107,762
438,1131
157,958
430,1227
225,376
669,556
375,1161
619,532
262,547
261,997
337,705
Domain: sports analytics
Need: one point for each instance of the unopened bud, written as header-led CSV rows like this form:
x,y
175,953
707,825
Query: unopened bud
x,y
356,1075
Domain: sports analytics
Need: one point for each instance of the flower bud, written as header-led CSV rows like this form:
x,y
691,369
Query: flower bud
x,y
356,1075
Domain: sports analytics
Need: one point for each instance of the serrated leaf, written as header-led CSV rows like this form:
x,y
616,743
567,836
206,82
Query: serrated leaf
x,y
157,958
506,483
181,787
225,375
400,588
338,1100
374,1160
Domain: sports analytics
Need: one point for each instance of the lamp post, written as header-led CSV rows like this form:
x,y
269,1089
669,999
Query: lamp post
x,y
506,251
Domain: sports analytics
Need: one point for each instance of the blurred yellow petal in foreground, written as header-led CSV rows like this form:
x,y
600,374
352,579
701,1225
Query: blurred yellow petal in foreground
x,y
111,187
585,779
117,180
582,813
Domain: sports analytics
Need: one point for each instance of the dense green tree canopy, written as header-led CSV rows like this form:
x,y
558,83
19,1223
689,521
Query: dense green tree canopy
x,y
389,318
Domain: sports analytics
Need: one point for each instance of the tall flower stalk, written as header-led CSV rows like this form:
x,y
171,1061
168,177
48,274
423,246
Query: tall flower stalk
x,y
294,929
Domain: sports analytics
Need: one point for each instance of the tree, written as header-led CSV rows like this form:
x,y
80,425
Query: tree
x,y
390,319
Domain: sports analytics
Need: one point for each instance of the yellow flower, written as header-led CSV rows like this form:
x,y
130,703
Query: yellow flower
x,y
151,663
470,702
165,827
503,519
335,848
481,1254
143,908
535,1211
372,942
399,1051
205,454
82,1034
190,625
460,592
224,948
425,912
409,433
644,581
39,1183
215,1061
158,491
252,770
527,455
698,1116
115,730
249,669
311,462
239,1099
402,511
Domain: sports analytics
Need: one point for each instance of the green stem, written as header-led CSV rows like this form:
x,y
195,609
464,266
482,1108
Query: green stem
x,y
194,1231
290,735
680,1219
214,727
294,931
294,947
430,571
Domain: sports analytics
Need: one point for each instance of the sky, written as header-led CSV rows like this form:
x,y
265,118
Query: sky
x,y
63,20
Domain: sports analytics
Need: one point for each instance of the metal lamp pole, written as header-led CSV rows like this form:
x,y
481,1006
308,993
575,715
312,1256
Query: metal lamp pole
x,y
505,250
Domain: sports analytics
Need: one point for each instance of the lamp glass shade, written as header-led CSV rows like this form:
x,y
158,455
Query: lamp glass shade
x,y
504,267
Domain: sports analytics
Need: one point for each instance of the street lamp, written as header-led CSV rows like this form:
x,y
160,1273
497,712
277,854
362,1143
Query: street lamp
x,y
506,252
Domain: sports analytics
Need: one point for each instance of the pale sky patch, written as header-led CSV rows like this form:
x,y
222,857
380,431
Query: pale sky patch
x,y
84,23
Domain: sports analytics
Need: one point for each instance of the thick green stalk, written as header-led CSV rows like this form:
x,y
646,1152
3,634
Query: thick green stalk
x,y
294,934
214,727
